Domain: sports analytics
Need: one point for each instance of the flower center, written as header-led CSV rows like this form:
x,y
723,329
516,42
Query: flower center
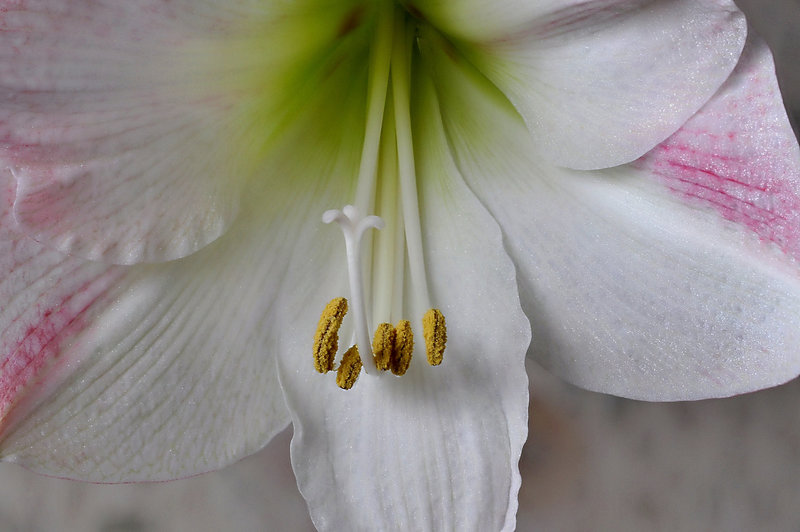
x,y
388,152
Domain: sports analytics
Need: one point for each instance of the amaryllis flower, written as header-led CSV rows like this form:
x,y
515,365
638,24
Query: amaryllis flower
x,y
608,186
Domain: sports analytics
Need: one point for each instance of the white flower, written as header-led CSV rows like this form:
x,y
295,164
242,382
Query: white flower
x,y
539,165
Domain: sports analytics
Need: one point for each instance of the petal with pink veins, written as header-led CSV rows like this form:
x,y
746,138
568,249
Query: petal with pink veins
x,y
738,156
630,288
132,127
161,371
49,299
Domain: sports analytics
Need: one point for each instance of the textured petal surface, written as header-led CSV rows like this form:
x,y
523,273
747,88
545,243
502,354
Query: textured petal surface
x,y
436,449
629,289
738,156
165,372
48,300
130,126
173,371
598,82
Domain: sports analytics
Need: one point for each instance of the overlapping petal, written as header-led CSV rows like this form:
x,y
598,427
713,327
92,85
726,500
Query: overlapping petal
x,y
156,371
172,371
438,448
47,300
132,127
167,372
738,156
630,290
598,82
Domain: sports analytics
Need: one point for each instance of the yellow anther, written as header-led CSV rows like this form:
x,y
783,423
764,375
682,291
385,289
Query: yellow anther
x,y
349,369
403,347
435,333
326,340
383,345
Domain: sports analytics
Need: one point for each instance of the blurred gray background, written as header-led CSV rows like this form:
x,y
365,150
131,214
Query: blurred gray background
x,y
592,463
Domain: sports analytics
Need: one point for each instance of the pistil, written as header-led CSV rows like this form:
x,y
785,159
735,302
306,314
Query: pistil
x,y
353,226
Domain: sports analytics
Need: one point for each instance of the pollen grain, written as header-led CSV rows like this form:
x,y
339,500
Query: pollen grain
x,y
383,345
326,339
435,333
403,348
349,369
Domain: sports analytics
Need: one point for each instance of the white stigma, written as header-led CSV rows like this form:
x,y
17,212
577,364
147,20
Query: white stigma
x,y
353,226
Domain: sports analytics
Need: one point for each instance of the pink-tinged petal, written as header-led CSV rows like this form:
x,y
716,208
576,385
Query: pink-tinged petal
x,y
170,375
738,156
49,299
599,83
112,373
629,289
436,449
175,373
131,127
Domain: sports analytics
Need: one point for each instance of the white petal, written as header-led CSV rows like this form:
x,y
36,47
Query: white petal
x,y
739,156
630,290
599,83
132,127
173,371
168,373
438,448
48,299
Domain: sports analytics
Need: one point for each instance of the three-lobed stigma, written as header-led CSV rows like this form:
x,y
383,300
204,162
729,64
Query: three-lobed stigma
x,y
392,347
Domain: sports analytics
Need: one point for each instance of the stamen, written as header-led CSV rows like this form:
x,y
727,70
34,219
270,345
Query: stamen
x,y
403,348
388,151
435,333
377,83
326,339
349,369
383,345
401,96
